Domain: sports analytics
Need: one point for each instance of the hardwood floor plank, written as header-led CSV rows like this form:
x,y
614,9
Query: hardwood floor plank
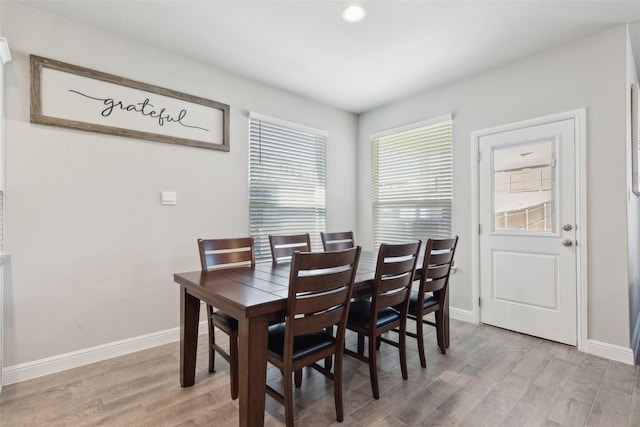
x,y
421,404
611,408
390,421
634,413
568,411
483,416
620,376
535,361
533,407
506,394
555,375
458,406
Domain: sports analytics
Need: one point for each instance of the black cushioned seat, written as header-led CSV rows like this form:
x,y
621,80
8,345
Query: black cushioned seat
x,y
303,345
360,312
429,300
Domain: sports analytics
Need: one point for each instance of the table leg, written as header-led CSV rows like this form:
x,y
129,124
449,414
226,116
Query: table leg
x,y
189,319
252,364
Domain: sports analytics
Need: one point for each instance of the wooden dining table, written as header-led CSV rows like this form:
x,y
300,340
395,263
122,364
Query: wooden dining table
x,y
254,296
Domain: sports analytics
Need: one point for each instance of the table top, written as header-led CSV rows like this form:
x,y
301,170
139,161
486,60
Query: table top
x,y
249,292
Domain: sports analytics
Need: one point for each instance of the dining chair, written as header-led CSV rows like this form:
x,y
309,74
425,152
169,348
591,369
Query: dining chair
x,y
283,246
217,254
387,308
432,292
320,287
337,240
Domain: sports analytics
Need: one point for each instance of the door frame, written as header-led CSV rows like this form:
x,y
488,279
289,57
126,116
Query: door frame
x,y
579,118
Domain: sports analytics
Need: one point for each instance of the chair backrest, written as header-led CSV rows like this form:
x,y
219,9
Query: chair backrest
x,y
436,267
338,240
283,247
225,253
320,286
395,270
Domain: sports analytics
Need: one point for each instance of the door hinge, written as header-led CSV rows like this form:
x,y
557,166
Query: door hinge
x,y
477,156
479,228
479,301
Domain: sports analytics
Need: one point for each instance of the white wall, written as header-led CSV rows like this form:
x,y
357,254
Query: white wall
x,y
93,251
589,72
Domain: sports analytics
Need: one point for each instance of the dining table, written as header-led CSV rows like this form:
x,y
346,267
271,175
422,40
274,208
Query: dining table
x,y
255,296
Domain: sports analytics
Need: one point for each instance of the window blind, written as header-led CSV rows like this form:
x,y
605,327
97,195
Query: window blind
x,y
286,182
412,183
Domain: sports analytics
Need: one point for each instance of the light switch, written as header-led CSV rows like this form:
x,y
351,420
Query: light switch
x,y
169,197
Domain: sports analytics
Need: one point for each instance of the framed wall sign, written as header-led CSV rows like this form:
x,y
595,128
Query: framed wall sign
x,y
75,97
635,137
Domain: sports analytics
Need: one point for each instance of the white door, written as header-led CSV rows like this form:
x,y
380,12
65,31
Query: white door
x,y
527,213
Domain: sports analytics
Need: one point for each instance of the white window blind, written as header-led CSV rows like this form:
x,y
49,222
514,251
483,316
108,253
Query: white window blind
x,y
286,182
412,184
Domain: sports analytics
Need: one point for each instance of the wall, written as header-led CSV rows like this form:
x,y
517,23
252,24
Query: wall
x,y
93,251
589,72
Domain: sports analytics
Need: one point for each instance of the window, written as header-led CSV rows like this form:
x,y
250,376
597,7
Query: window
x,y
523,187
411,173
286,181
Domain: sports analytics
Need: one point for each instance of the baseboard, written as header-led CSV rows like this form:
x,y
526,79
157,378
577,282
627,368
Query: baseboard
x,y
460,314
610,351
51,365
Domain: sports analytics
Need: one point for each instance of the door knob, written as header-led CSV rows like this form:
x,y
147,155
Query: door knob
x,y
567,227
567,242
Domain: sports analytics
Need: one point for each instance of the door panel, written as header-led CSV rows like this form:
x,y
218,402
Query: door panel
x,y
531,290
528,277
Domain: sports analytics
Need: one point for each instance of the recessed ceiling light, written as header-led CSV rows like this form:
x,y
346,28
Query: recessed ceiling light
x,y
354,13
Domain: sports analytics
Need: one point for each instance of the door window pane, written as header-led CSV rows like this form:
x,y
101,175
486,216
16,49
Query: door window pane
x,y
523,182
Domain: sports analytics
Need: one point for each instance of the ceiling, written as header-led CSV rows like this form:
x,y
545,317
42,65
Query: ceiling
x,y
402,47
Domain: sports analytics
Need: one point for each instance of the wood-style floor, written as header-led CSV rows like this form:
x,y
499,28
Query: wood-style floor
x,y
489,377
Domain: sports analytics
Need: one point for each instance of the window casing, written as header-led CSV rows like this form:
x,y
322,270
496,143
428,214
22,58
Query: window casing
x,y
412,182
286,181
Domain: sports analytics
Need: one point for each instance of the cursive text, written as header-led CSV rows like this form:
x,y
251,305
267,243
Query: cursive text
x,y
144,108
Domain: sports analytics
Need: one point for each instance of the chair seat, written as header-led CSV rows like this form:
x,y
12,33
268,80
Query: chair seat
x,y
303,345
429,301
360,311
224,321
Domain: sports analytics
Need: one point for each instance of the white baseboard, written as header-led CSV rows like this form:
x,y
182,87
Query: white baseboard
x,y
610,351
460,314
62,362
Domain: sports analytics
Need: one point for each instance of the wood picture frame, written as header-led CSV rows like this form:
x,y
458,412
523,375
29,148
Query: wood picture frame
x,y
635,138
79,98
